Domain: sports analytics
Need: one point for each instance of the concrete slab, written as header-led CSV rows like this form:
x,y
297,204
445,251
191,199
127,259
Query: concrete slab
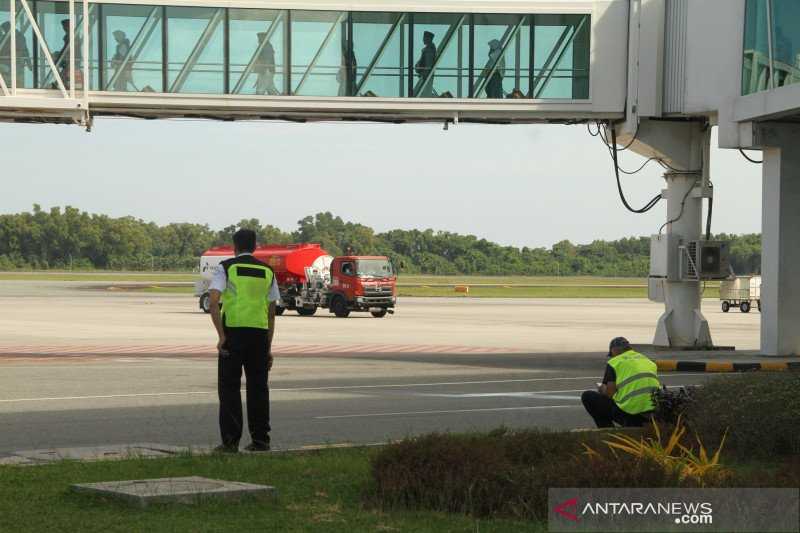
x,y
143,492
96,453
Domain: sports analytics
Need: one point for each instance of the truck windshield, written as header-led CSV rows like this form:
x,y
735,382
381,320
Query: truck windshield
x,y
375,268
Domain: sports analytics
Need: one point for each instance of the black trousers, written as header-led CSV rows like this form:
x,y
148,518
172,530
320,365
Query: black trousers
x,y
605,411
248,348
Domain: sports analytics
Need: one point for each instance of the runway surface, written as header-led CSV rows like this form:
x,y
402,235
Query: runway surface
x,y
87,368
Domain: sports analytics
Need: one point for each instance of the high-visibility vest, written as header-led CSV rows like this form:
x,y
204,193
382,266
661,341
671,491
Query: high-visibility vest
x,y
245,299
636,381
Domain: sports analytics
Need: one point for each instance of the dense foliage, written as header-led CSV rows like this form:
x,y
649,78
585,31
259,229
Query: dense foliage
x,y
70,238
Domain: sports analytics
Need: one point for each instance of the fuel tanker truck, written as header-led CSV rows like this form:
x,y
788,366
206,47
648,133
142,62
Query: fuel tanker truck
x,y
309,278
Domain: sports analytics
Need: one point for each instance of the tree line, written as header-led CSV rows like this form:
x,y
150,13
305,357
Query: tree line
x,y
72,239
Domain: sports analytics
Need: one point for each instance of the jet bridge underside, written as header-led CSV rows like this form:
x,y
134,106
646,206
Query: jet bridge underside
x,y
51,108
494,62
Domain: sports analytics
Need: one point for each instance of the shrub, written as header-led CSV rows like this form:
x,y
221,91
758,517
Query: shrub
x,y
501,473
760,412
672,454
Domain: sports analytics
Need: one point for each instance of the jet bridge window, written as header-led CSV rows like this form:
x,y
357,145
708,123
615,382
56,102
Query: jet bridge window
x,y
53,21
25,42
271,52
195,50
132,52
258,51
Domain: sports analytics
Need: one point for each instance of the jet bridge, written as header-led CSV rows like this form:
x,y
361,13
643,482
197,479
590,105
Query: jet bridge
x,y
498,61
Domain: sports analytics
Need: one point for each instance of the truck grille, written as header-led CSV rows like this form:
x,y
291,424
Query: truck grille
x,y
378,291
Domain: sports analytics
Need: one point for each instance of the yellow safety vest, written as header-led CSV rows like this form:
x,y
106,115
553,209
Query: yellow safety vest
x,y
246,298
636,381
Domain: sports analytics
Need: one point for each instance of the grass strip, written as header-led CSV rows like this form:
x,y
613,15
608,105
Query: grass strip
x,y
97,275
317,491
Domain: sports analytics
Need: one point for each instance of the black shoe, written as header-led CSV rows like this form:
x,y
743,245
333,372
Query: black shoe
x,y
257,447
226,448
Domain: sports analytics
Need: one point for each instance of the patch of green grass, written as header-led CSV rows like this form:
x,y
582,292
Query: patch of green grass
x,y
536,292
519,280
317,491
98,275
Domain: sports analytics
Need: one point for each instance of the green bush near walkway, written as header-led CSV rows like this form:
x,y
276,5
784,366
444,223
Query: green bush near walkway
x,y
508,473
759,412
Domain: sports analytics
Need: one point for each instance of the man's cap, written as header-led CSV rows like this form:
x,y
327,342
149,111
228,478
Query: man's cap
x,y
494,44
618,342
118,33
428,34
262,35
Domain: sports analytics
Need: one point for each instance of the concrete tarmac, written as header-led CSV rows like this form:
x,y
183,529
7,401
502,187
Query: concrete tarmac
x,y
86,367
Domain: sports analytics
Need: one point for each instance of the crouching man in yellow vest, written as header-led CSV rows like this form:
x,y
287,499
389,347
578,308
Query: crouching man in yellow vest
x,y
625,396
245,325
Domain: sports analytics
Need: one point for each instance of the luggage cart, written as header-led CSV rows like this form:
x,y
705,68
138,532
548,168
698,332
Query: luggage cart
x,y
742,292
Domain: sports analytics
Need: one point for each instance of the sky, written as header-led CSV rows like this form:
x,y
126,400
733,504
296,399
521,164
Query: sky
x,y
521,185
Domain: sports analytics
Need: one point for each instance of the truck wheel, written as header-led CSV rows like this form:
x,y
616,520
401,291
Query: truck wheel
x,y
205,303
379,314
726,307
306,311
744,307
279,310
339,307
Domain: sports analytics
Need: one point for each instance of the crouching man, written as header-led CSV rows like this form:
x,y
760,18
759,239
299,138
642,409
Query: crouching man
x,y
625,396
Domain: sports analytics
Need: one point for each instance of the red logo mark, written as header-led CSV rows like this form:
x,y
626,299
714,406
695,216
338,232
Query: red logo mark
x,y
562,507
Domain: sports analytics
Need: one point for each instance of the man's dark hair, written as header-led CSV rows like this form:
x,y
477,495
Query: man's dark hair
x,y
244,240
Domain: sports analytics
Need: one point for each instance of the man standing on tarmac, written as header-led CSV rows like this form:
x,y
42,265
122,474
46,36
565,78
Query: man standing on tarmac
x,y
626,394
247,289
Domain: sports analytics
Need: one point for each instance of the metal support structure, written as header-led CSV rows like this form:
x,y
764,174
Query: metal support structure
x,y
682,324
12,17
685,148
71,67
87,19
4,87
780,253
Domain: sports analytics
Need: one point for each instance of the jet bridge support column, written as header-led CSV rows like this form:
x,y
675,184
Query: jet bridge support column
x,y
682,324
780,242
684,148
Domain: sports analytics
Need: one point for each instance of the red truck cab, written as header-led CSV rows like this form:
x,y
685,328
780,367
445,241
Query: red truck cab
x,y
362,283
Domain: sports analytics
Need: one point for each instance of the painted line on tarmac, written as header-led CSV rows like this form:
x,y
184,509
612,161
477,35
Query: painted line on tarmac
x,y
449,411
307,389
294,389
549,394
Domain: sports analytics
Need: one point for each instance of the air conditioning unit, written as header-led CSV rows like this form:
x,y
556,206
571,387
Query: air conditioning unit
x,y
704,260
